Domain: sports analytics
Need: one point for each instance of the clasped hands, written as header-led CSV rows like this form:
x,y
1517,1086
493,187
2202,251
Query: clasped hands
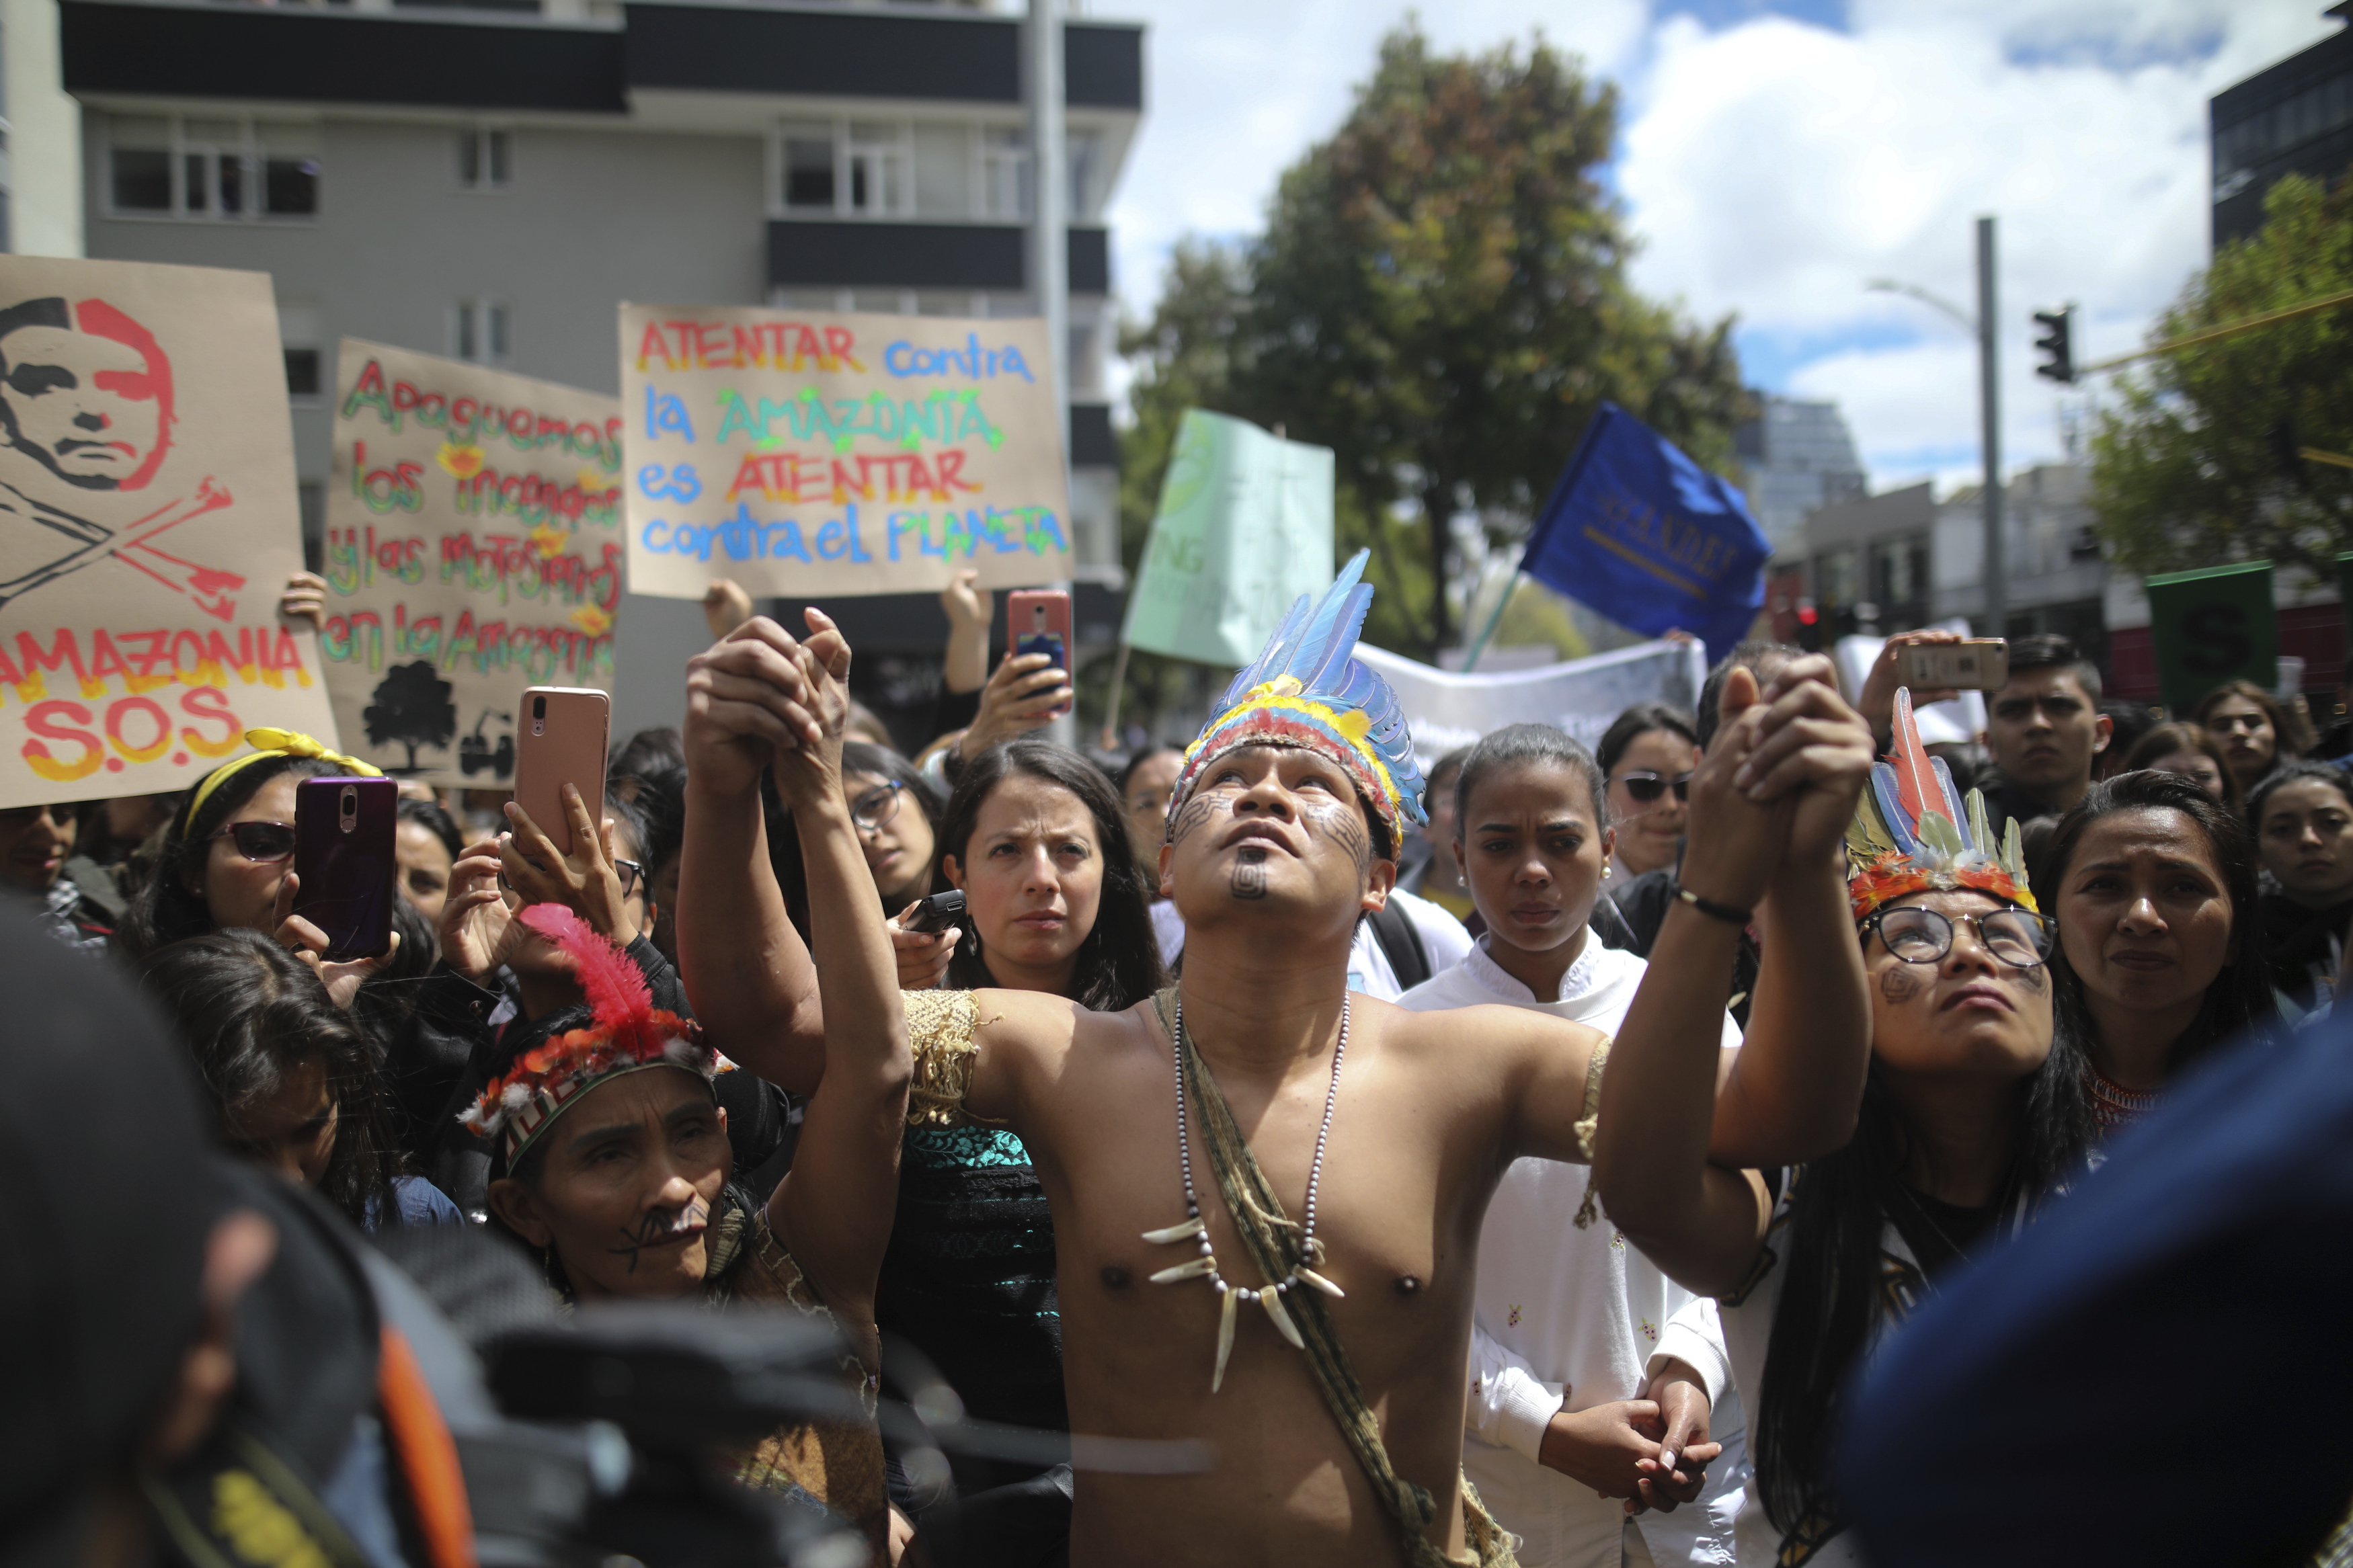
x,y
1652,1452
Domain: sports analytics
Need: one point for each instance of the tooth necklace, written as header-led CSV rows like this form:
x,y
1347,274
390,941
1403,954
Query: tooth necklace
x,y
1269,1297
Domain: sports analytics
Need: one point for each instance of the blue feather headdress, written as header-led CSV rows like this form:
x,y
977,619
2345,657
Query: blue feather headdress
x,y
1305,690
1913,833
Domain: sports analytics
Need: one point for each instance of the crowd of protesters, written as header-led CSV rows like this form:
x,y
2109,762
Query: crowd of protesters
x,y
1662,1349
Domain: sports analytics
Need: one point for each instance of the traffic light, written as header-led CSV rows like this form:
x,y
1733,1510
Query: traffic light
x,y
2058,341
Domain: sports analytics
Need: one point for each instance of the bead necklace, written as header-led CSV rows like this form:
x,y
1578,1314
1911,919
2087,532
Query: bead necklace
x,y
1269,1297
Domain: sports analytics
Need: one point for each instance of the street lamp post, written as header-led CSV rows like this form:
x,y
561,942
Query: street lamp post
x,y
1984,325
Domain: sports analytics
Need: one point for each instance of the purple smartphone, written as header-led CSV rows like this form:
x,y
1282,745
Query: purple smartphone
x,y
343,854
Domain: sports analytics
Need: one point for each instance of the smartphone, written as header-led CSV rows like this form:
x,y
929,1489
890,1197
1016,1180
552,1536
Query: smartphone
x,y
344,857
937,912
561,737
1982,663
1038,620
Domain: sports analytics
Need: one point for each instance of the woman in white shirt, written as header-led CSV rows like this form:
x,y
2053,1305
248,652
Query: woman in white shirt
x,y
1585,1358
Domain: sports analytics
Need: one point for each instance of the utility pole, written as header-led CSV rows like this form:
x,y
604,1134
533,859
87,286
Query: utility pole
x,y
1050,255
1989,393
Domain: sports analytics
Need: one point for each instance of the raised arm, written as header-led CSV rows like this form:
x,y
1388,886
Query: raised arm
x,y
750,978
833,1209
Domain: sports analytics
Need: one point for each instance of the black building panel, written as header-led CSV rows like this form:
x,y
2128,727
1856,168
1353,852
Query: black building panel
x,y
835,53
1103,65
1093,444
896,256
1089,260
2297,117
297,55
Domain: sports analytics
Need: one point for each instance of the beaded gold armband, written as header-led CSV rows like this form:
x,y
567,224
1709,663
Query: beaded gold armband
x,y
940,1029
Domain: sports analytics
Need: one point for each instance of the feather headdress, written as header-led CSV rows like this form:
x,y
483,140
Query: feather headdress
x,y
1914,834
627,1034
1306,690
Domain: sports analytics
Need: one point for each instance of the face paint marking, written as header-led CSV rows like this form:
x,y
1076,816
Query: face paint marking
x,y
660,1225
1899,984
1250,873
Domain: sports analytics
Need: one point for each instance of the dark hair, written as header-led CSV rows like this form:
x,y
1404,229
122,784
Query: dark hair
x,y
1832,1289
2127,723
428,815
1755,655
164,910
2241,997
251,1013
1517,746
646,752
1633,724
658,796
2167,739
2048,650
2286,735
631,822
1127,774
1119,961
2301,771
1451,762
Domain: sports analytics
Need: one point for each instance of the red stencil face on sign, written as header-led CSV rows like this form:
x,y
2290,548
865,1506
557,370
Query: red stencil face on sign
x,y
89,397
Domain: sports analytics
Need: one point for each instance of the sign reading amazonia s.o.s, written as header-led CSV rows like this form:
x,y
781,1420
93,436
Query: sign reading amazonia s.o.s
x,y
474,547
148,525
815,453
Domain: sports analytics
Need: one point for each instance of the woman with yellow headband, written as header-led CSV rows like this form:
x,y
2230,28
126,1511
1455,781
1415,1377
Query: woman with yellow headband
x,y
227,860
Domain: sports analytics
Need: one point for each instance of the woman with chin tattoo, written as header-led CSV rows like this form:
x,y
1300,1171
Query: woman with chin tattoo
x,y
1585,1358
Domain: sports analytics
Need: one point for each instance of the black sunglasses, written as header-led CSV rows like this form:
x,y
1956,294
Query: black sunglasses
x,y
2019,938
1647,786
631,872
261,841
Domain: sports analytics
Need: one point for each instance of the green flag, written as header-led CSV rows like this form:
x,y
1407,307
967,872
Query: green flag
x,y
2211,627
1244,528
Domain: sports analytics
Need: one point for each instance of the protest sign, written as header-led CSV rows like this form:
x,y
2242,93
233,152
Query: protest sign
x,y
1582,696
2211,627
808,454
1244,528
148,525
1649,538
474,547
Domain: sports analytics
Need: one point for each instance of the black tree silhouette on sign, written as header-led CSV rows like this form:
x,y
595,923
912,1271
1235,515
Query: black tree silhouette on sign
x,y
412,708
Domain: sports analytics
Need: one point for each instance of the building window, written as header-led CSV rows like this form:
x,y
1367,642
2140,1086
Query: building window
x,y
881,160
302,373
484,158
1082,155
480,332
807,161
229,170
1004,174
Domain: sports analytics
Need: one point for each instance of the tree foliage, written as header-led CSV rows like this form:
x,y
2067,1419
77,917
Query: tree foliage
x,y
2198,466
1441,298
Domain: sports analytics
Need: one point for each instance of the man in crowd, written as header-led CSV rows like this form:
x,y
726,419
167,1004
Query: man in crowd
x,y
2045,729
35,842
1203,1262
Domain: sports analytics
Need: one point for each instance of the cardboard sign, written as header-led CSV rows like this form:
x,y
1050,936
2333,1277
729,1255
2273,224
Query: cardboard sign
x,y
148,524
813,454
2211,627
474,547
1244,528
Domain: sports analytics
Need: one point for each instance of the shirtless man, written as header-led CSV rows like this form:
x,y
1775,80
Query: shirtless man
x,y
1275,851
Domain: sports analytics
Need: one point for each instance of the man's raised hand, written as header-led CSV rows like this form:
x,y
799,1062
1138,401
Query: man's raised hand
x,y
1812,750
810,772
748,698
1732,842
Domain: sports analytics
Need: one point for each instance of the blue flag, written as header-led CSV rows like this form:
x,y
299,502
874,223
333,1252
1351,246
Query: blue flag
x,y
1649,538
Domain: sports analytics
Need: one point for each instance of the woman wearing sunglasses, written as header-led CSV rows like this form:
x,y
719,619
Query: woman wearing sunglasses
x,y
1647,755
1973,1112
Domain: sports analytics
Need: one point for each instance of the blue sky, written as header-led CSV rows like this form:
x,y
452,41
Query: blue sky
x,y
1774,157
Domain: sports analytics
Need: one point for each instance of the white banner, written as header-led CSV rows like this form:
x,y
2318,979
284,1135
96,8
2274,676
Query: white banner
x,y
1582,696
1961,718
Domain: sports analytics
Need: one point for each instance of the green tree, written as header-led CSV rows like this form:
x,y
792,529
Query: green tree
x,y
2198,466
1441,298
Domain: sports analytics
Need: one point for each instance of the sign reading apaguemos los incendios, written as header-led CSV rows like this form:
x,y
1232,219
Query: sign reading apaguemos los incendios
x,y
148,525
473,548
806,454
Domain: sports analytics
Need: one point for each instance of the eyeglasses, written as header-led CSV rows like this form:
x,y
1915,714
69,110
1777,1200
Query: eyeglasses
x,y
261,841
2016,937
1647,786
877,807
632,872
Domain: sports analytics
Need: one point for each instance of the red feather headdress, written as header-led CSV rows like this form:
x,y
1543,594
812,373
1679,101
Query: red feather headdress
x,y
1912,832
628,1033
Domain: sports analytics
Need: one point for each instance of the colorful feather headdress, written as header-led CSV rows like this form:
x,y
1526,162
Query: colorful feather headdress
x,y
629,1034
1305,690
1908,835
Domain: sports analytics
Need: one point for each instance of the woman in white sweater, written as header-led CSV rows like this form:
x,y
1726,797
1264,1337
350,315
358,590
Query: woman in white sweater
x,y
1597,1386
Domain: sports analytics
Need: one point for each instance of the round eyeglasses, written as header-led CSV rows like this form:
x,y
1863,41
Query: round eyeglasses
x,y
1646,786
877,807
2019,938
259,841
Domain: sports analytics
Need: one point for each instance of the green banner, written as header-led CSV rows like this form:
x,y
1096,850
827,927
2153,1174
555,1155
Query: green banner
x,y
2211,627
1244,528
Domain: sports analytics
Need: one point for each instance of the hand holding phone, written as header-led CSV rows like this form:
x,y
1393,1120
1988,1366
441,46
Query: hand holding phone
x,y
934,914
345,866
1979,664
1039,621
924,938
561,742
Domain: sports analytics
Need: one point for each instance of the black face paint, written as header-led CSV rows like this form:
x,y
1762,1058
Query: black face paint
x,y
1344,823
1193,814
1250,873
659,1226
1898,985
